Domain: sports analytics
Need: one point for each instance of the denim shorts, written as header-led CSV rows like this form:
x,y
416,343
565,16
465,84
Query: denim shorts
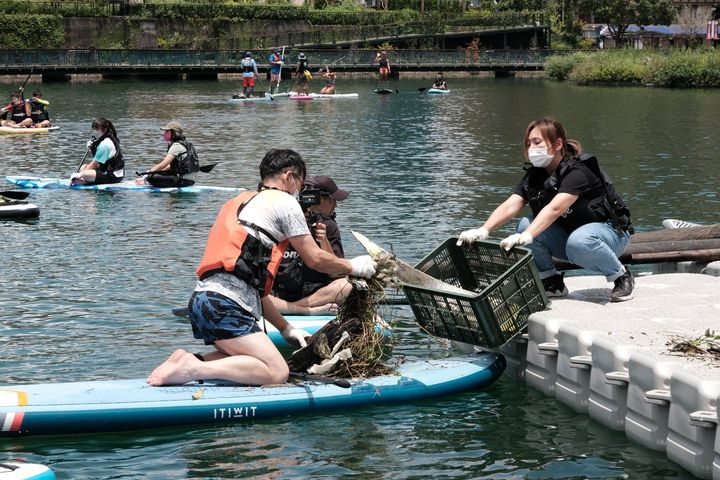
x,y
215,317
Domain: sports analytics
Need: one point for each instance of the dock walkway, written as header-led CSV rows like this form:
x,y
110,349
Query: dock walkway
x,y
613,362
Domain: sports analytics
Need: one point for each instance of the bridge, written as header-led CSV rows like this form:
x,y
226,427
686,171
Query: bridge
x,y
56,64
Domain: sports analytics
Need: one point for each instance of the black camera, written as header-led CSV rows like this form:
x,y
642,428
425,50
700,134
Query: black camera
x,y
310,197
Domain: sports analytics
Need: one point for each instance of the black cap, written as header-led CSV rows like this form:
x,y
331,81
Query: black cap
x,y
327,185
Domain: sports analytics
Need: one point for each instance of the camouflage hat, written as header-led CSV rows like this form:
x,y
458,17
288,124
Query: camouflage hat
x,y
173,126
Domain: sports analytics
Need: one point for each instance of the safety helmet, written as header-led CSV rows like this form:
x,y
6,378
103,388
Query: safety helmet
x,y
248,54
301,56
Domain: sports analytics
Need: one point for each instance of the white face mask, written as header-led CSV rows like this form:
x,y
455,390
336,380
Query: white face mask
x,y
539,156
296,195
97,133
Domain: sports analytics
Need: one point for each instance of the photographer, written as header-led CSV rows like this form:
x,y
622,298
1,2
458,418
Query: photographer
x,y
299,289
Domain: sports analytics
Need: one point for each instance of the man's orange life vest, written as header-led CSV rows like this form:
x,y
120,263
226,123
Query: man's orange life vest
x,y
232,249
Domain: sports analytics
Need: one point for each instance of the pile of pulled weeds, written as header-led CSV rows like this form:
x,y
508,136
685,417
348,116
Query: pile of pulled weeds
x,y
353,345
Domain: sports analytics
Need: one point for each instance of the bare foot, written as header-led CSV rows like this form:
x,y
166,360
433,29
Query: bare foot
x,y
179,368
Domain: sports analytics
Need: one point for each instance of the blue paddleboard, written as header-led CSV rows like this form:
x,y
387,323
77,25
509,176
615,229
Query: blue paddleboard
x,y
115,405
433,91
25,471
64,183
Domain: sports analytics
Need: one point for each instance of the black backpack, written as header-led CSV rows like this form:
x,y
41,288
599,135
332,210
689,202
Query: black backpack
x,y
189,163
615,207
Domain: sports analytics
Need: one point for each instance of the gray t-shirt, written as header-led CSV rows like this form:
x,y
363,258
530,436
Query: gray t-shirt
x,y
177,149
278,213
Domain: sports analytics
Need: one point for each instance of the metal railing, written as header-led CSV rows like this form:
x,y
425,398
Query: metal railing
x,y
90,60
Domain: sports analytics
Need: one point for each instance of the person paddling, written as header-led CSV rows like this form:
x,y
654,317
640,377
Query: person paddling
x,y
276,60
36,109
180,160
107,165
330,79
19,118
440,83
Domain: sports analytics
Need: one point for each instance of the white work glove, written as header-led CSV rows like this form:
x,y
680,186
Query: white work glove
x,y
516,240
295,336
363,266
75,176
89,143
468,237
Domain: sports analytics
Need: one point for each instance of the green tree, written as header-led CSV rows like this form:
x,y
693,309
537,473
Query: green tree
x,y
620,14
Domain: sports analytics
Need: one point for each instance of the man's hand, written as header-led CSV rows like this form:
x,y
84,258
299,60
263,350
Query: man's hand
x,y
363,266
295,336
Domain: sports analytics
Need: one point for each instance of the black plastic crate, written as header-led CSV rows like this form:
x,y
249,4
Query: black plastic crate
x,y
503,290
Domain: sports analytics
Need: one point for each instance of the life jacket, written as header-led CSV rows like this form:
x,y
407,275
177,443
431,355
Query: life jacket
x,y
116,162
608,206
17,112
38,111
383,62
230,248
247,65
187,162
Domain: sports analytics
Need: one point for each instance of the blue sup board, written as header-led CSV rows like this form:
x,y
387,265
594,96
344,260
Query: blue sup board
x,y
64,183
433,91
116,405
25,471
309,323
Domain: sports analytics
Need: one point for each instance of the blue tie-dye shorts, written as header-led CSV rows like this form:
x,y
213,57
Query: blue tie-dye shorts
x,y
216,317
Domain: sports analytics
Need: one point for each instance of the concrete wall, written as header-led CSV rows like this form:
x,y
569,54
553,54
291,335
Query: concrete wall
x,y
122,32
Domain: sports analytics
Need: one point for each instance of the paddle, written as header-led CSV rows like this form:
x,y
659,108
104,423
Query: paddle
x,y
340,382
26,80
83,160
15,195
422,89
204,168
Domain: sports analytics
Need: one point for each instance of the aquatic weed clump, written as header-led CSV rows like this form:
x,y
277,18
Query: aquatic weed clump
x,y
353,345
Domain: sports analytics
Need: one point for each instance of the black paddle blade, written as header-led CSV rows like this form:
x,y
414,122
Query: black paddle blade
x,y
14,195
208,168
422,89
340,382
181,311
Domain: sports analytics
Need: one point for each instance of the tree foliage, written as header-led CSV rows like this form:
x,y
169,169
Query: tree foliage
x,y
31,31
620,14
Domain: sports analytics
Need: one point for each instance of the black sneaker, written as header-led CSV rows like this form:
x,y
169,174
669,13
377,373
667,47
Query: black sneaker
x,y
624,288
555,286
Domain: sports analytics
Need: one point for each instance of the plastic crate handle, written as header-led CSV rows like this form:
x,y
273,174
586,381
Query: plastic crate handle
x,y
583,362
658,397
619,379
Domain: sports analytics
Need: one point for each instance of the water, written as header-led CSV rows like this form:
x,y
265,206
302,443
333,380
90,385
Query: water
x,y
88,287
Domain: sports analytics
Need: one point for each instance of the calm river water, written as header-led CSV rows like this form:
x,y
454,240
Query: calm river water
x,y
87,289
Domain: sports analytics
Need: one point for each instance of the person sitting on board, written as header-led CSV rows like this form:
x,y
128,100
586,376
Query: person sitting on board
x,y
576,214
329,77
440,83
298,288
180,160
107,165
236,274
250,72
36,109
276,61
19,117
382,60
302,73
